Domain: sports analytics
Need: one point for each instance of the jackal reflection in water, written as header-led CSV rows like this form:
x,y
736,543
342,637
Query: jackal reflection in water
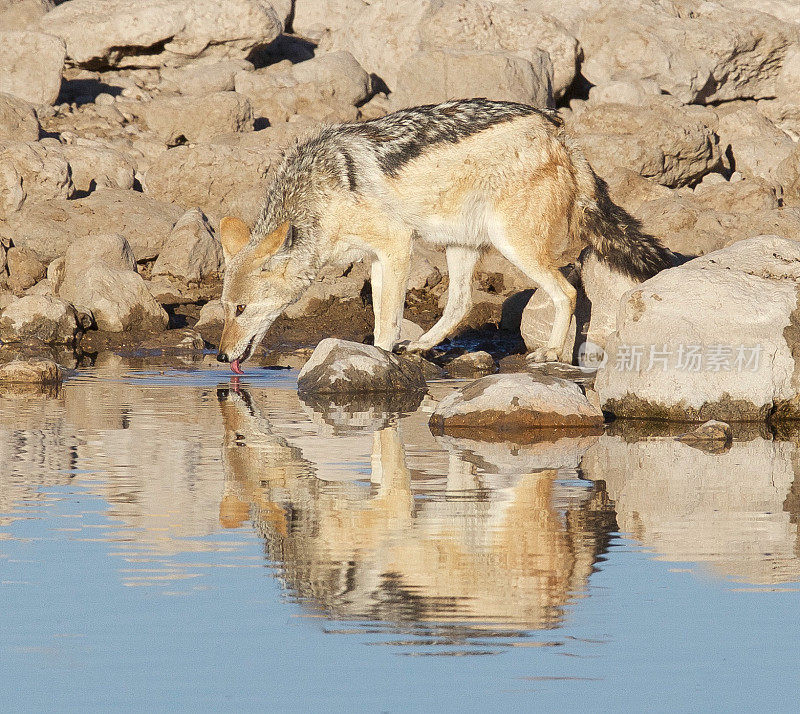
x,y
506,551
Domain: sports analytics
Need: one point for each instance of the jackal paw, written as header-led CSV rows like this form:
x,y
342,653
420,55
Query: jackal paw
x,y
415,346
543,354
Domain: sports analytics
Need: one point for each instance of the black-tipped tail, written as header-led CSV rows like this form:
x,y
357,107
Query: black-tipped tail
x,y
616,237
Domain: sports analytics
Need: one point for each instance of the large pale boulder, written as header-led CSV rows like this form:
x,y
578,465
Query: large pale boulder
x,y
661,140
313,20
515,403
18,121
192,119
29,172
31,64
97,278
155,33
342,367
21,14
48,228
39,317
716,338
430,76
711,54
191,252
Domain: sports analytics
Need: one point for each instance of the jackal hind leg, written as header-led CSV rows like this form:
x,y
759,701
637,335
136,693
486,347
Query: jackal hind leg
x,y
394,269
558,289
460,268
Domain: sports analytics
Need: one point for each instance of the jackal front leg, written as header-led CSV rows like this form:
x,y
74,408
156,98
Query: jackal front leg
x,y
392,277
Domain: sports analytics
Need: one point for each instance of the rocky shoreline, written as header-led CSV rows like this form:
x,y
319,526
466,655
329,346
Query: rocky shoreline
x,y
121,148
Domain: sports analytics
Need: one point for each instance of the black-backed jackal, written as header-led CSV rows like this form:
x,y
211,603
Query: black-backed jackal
x,y
466,175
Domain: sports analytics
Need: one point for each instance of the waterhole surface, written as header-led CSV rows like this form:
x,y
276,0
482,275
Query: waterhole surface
x,y
170,540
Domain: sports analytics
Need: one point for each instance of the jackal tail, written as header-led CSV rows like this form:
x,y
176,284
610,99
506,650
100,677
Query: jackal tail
x,y
615,236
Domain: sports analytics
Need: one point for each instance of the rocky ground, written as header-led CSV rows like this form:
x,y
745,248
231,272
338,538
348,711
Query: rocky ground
x,y
129,128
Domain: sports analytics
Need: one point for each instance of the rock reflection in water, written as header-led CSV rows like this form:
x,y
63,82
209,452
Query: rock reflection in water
x,y
735,510
502,543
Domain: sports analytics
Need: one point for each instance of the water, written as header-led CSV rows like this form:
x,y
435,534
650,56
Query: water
x,y
169,542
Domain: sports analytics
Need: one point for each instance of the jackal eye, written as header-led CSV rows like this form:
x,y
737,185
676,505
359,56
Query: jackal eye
x,y
240,309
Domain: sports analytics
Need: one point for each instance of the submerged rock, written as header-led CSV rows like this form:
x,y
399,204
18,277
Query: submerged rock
x,y
516,403
716,338
341,367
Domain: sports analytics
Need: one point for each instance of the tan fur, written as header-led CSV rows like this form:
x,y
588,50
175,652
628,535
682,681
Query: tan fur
x,y
516,186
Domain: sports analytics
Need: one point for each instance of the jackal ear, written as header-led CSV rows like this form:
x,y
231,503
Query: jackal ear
x,y
280,239
234,235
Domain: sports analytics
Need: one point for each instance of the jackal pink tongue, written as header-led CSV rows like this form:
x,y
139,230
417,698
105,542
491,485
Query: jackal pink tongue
x,y
235,368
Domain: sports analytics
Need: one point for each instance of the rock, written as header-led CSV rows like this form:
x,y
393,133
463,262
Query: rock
x,y
24,268
712,430
604,289
784,113
30,372
683,351
111,248
155,33
661,140
710,54
21,14
756,144
328,85
491,26
334,75
515,403
98,277
220,180
312,20
342,367
472,364
31,64
211,321
537,324
39,317
203,78
630,189
18,120
718,214
435,75
49,228
191,252
192,119
28,173
94,166
634,91
173,342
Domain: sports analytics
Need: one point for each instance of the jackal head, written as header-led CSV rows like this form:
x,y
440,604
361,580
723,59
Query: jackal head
x,y
261,281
